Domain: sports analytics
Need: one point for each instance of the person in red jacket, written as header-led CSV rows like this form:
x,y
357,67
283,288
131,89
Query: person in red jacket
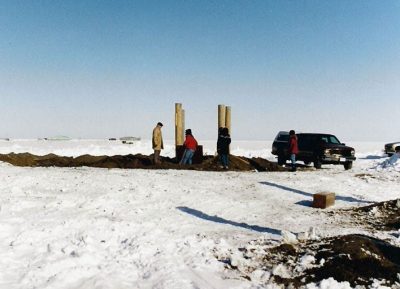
x,y
190,145
293,148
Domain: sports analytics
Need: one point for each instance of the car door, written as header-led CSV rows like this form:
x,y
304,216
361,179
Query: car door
x,y
305,144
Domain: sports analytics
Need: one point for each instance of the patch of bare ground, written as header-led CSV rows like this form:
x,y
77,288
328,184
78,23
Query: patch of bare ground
x,y
365,176
378,216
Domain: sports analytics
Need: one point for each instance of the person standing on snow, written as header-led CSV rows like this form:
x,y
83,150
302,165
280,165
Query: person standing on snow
x,y
293,149
157,142
190,145
223,143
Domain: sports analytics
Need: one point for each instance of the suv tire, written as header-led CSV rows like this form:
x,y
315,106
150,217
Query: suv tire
x,y
317,163
348,165
281,160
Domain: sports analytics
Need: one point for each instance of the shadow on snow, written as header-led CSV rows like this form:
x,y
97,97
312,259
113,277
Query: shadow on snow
x,y
220,220
374,157
341,198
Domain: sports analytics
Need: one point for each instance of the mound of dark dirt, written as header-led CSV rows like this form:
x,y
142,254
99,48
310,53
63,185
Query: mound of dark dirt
x,y
357,259
380,216
138,161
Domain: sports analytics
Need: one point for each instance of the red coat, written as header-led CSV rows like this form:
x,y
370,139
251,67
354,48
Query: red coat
x,y
190,142
293,148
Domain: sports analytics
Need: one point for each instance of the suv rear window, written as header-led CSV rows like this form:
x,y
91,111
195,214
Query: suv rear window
x,y
282,137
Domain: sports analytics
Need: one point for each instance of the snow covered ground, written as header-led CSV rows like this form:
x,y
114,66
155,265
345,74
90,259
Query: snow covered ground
x,y
102,228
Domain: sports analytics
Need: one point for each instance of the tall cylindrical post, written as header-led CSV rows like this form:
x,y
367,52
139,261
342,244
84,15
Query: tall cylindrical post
x,y
221,115
183,126
228,118
178,124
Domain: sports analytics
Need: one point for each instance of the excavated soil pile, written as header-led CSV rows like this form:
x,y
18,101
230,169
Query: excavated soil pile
x,y
379,216
138,161
357,259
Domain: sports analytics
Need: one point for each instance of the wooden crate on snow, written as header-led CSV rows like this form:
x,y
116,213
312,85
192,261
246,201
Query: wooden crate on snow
x,y
323,200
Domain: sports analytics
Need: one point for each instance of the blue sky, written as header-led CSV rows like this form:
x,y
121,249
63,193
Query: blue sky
x,y
96,69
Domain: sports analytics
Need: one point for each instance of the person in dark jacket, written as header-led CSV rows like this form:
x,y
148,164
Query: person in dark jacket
x,y
190,145
293,149
223,143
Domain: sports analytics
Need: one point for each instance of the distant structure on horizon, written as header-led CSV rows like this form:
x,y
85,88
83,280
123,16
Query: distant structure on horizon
x,y
129,139
58,138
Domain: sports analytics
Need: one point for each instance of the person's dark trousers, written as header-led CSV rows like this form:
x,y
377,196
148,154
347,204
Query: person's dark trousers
x,y
224,160
157,157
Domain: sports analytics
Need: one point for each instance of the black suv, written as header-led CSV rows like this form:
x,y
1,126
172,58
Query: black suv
x,y
318,148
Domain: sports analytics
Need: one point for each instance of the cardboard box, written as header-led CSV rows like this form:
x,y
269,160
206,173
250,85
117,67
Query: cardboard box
x,y
323,200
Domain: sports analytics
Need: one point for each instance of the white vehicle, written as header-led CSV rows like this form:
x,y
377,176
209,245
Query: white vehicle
x,y
390,148
129,139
